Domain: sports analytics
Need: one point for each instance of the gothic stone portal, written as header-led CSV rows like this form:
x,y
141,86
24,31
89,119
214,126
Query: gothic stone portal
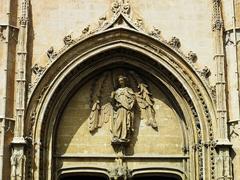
x,y
120,119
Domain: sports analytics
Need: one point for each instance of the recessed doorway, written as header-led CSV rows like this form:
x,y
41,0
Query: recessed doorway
x,y
156,177
84,177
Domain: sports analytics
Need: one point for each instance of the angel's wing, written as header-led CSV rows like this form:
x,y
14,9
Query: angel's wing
x,y
93,119
145,103
106,112
101,109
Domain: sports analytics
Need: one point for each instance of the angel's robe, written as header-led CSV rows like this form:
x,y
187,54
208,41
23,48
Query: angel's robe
x,y
123,114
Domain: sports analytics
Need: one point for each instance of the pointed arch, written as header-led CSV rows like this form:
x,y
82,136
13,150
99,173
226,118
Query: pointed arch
x,y
82,59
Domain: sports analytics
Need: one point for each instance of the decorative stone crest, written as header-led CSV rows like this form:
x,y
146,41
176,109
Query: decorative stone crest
x,y
121,6
38,70
175,43
68,40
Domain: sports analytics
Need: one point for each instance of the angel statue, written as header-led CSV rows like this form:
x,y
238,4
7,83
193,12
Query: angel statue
x,y
123,100
118,104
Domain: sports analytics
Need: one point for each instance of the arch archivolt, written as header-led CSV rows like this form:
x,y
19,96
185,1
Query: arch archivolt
x,y
126,49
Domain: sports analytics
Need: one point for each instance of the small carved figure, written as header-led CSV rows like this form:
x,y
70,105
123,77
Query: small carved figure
x,y
16,164
38,70
205,72
86,29
23,21
2,36
228,40
217,25
139,23
123,102
102,21
192,57
50,53
68,40
175,43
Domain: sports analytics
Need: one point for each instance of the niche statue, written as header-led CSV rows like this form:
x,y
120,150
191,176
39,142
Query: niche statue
x,y
123,100
118,103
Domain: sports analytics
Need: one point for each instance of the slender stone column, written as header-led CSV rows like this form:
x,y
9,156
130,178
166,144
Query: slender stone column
x,y
18,143
8,33
232,37
223,144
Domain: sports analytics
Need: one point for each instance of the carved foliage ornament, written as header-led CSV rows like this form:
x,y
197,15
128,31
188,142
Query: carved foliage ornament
x,y
175,43
155,33
117,103
38,70
121,6
68,40
120,170
205,72
192,57
24,15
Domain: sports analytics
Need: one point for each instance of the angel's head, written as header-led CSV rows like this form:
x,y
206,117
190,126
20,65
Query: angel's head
x,y
122,81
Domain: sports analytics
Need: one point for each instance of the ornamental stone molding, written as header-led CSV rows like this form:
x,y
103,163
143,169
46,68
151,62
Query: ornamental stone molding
x,y
121,18
139,49
217,19
43,88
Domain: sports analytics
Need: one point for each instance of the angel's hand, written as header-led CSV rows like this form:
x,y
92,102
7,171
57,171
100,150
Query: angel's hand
x,y
112,94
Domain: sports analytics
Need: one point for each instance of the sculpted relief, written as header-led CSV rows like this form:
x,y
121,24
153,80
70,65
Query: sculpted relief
x,y
121,106
120,110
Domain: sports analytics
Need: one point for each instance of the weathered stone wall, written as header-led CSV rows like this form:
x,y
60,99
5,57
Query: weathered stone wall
x,y
190,22
51,21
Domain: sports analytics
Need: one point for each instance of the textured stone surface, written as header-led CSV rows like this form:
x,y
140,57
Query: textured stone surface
x,y
195,143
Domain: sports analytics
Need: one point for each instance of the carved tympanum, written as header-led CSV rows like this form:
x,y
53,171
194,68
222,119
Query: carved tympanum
x,y
118,105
